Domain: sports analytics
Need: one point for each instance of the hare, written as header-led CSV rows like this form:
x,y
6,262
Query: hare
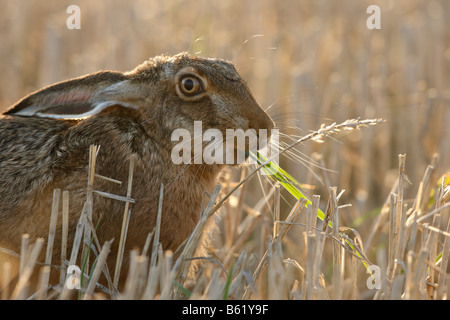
x,y
45,138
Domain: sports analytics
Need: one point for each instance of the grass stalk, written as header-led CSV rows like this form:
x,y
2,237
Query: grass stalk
x,y
5,279
300,205
157,228
125,222
65,234
442,287
337,262
52,227
43,283
24,247
97,270
19,292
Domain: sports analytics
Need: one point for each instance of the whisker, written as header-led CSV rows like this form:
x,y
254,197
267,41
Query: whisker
x,y
235,55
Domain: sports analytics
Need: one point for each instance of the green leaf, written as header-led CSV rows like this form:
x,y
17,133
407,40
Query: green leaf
x,y
276,173
185,291
228,283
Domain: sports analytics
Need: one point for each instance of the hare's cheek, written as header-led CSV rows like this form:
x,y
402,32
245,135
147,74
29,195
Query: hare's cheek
x,y
223,114
220,105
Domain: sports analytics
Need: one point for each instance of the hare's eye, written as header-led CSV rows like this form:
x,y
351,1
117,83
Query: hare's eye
x,y
190,85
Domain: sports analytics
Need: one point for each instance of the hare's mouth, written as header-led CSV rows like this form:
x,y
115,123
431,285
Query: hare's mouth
x,y
214,146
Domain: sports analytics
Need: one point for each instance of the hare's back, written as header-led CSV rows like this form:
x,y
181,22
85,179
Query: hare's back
x,y
27,154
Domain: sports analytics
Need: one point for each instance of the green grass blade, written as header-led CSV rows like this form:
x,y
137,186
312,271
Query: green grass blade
x,y
228,283
183,290
276,173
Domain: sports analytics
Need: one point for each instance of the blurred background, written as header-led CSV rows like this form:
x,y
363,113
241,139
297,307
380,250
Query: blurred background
x,y
308,62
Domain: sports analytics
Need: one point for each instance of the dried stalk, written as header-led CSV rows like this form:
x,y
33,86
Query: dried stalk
x,y
337,263
125,222
52,227
20,289
157,227
97,270
299,206
65,233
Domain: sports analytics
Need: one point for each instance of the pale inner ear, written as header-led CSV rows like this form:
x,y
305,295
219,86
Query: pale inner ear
x,y
78,110
76,103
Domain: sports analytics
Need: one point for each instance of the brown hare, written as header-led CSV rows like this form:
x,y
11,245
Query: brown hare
x,y
45,138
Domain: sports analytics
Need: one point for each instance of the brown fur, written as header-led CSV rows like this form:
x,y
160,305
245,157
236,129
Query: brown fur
x,y
40,154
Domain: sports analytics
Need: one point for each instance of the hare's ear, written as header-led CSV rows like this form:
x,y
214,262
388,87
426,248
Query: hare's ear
x,y
76,99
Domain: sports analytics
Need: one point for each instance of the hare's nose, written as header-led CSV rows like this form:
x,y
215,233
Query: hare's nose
x,y
257,123
262,120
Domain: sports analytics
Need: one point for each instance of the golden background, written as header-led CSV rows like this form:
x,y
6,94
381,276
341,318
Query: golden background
x,y
312,62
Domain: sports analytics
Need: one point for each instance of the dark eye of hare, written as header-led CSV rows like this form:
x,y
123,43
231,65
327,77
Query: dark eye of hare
x,y
190,85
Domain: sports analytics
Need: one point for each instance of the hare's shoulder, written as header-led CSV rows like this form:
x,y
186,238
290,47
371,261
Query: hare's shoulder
x,y
20,136
26,156
38,152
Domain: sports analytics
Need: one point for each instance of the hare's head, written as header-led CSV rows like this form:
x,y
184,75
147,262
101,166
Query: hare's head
x,y
164,94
